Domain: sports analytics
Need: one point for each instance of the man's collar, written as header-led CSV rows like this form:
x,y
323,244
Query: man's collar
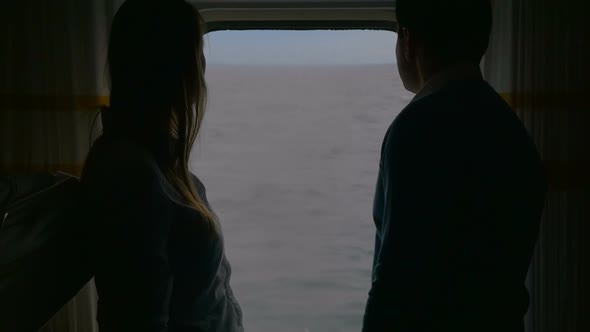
x,y
443,78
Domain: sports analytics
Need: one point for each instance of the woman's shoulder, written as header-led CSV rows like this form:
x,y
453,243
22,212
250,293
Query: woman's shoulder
x,y
120,152
117,160
201,189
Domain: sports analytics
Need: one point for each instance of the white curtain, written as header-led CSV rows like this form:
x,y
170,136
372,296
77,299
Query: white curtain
x,y
538,59
52,81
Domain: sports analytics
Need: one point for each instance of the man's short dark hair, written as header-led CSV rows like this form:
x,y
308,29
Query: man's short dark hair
x,y
451,30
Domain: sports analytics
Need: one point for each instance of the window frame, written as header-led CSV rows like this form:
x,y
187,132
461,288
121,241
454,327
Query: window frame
x,y
299,19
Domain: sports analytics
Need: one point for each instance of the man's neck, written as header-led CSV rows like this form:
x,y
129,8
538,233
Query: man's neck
x,y
442,78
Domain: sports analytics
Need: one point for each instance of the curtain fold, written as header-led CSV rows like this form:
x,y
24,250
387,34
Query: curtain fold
x,y
539,58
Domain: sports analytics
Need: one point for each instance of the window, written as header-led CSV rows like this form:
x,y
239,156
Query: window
x,y
289,153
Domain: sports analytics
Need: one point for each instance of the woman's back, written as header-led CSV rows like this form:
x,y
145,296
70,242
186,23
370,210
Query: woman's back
x,y
159,267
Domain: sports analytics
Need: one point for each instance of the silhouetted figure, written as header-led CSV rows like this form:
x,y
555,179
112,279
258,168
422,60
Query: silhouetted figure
x,y
460,190
159,253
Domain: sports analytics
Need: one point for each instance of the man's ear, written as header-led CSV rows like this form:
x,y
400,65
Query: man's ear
x,y
409,44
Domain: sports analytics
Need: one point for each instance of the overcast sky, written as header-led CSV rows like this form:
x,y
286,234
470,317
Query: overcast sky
x,y
300,47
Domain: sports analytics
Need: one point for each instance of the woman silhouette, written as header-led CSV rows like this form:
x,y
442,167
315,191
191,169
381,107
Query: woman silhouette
x,y
158,247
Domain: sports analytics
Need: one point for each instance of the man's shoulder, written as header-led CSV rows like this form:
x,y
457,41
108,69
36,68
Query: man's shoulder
x,y
406,131
412,120
449,107
461,93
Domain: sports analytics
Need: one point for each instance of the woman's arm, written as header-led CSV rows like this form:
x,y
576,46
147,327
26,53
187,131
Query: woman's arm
x,y
196,258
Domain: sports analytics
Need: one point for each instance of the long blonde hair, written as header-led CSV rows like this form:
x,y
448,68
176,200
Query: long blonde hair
x,y
158,90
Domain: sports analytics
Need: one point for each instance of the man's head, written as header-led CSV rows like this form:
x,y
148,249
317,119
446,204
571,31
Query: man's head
x,y
436,34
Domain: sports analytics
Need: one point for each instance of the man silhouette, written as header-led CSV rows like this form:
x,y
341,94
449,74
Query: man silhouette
x,y
460,190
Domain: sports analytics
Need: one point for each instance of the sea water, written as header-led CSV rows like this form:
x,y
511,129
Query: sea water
x,y
290,156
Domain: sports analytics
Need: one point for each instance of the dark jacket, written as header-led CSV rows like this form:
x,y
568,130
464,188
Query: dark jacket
x,y
159,267
457,209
